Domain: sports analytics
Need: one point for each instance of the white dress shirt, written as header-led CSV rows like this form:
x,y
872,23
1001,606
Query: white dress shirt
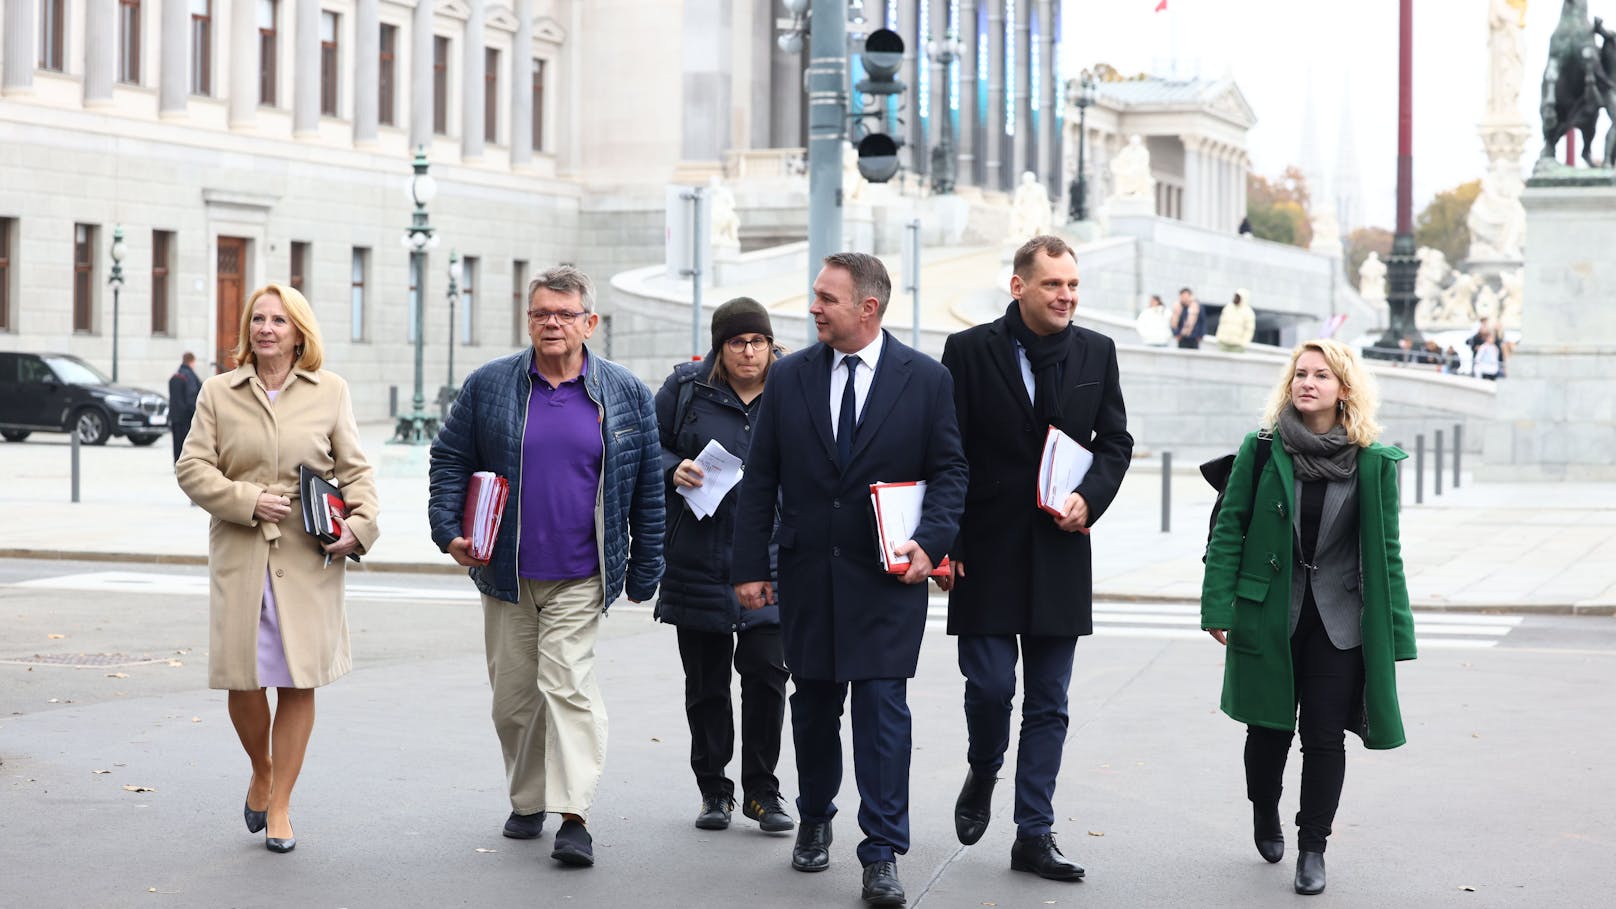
x,y
863,376
1026,372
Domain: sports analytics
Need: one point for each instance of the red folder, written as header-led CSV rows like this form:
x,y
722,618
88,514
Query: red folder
x,y
896,510
485,505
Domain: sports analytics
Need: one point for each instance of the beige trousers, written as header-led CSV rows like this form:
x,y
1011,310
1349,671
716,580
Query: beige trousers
x,y
547,707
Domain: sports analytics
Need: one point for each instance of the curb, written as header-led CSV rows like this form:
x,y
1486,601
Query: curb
x,y
56,555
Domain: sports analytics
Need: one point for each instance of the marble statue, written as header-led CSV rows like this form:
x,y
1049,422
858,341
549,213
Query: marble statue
x,y
852,181
1512,297
1326,229
1497,220
1454,305
1486,303
1372,280
724,223
1030,214
1505,21
1130,172
1432,275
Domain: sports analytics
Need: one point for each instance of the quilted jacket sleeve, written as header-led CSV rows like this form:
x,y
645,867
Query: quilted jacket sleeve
x,y
646,505
453,461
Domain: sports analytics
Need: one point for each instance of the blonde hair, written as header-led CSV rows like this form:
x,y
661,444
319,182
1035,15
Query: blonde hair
x,y
310,354
1359,396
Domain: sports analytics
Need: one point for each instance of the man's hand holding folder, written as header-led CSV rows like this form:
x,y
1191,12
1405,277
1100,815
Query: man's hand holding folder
x,y
479,520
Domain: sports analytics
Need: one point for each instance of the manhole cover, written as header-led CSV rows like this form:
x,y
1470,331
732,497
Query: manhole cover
x,y
82,659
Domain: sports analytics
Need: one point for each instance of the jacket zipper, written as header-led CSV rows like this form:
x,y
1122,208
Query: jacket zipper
x,y
521,471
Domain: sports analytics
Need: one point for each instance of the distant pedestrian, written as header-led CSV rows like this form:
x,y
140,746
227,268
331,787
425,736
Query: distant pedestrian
x,y
1188,323
1304,583
1152,323
1487,362
277,591
716,399
183,387
1245,227
1237,324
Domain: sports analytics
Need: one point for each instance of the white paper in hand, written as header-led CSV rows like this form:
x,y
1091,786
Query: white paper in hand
x,y
720,472
1061,470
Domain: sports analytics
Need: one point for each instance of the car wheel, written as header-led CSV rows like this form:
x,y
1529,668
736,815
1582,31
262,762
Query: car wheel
x,y
14,435
143,438
90,425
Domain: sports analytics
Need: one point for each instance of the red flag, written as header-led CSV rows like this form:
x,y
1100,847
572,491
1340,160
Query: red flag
x,y
1162,6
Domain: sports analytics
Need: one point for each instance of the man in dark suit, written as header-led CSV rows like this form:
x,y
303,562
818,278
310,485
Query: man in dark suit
x,y
1030,574
183,387
854,409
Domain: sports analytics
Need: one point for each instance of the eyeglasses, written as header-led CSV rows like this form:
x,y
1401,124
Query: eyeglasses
x,y
736,345
561,316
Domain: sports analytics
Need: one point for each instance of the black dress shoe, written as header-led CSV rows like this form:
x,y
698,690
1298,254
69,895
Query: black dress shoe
x,y
524,826
974,807
256,820
1040,855
278,844
573,845
881,887
1309,873
812,851
765,808
1267,832
715,811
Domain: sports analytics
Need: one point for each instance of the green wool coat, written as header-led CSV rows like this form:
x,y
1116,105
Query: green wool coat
x,y
1247,585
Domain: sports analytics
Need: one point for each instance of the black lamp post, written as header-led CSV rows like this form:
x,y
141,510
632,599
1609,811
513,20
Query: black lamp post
x,y
118,251
1402,267
448,395
946,52
1082,97
416,427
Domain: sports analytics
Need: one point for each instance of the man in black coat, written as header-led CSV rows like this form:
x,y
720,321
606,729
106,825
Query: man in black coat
x,y
183,387
859,407
1030,574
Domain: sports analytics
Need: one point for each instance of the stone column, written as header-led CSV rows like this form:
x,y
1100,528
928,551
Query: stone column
x,y
1049,97
306,69
472,89
705,70
20,21
173,59
367,69
243,85
969,122
1023,91
993,138
100,50
521,141
1193,179
421,76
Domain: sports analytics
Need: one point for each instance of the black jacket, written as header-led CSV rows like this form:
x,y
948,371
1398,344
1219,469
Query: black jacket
x,y
1023,574
183,387
696,589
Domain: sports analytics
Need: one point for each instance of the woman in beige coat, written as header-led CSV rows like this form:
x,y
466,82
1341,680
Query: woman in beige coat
x,y
277,617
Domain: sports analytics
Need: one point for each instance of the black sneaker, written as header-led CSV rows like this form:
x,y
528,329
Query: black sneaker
x,y
573,845
767,811
715,810
524,826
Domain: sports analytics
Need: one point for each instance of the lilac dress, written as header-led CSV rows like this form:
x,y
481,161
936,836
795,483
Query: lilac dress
x,y
272,669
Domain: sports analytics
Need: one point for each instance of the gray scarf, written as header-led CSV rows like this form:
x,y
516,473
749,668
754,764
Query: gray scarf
x,y
1316,456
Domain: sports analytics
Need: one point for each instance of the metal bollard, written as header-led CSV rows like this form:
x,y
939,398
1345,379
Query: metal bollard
x,y
1456,448
1437,462
1419,469
75,446
1167,492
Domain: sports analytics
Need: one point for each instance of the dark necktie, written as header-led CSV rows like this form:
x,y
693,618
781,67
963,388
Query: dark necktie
x,y
849,416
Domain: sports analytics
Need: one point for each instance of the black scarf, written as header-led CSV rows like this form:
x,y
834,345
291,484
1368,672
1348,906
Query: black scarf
x,y
1317,456
1045,353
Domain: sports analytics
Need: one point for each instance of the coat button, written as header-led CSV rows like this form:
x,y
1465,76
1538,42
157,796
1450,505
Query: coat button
x,y
280,573
836,551
836,503
747,428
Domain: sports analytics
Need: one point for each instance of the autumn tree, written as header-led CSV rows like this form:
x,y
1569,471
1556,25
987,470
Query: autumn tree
x,y
1278,208
1443,224
1360,243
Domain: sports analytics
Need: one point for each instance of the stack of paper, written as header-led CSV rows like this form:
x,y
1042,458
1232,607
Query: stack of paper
x,y
897,508
485,505
1061,470
720,472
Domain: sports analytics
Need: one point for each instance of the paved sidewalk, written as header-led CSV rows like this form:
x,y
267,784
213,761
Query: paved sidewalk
x,y
1511,547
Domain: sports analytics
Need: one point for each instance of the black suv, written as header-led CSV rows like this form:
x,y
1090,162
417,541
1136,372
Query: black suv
x,y
61,393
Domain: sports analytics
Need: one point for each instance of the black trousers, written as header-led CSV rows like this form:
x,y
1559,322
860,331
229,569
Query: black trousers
x,y
1329,685
760,662
882,742
177,431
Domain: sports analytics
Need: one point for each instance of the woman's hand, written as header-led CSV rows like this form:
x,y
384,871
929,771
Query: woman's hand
x,y
1221,635
272,508
688,474
345,544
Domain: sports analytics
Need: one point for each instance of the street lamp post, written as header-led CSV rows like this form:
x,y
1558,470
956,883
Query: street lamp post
x,y
945,52
1083,97
416,427
118,251
454,296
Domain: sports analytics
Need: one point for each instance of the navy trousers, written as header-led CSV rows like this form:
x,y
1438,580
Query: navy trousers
x,y
988,663
881,746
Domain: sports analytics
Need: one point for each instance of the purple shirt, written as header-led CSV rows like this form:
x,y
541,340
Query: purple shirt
x,y
561,458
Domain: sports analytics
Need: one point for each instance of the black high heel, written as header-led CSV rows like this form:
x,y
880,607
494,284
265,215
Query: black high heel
x,y
256,820
277,844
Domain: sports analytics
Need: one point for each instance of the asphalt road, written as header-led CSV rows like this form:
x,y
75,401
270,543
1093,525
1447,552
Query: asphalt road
x,y
1504,787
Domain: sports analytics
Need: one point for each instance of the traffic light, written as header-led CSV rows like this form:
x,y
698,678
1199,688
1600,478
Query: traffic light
x,y
882,58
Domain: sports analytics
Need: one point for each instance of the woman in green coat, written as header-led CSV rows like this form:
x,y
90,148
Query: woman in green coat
x,y
1304,584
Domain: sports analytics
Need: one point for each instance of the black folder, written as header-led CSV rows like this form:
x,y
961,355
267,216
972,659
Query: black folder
x,y
318,495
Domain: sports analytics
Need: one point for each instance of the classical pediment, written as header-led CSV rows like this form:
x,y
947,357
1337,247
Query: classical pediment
x,y
502,18
1228,102
455,9
548,29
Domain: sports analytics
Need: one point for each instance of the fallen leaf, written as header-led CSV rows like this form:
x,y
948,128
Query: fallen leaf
x,y
175,663
54,701
56,637
1468,889
196,719
1096,833
117,675
486,851
1049,902
1475,735
655,739
139,789
100,771
183,652
989,903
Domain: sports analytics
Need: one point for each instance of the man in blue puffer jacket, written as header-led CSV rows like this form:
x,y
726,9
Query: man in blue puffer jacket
x,y
576,436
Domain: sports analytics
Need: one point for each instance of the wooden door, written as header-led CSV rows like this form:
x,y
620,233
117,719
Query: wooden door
x,y
228,297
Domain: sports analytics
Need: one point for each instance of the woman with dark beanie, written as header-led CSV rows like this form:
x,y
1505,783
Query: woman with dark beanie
x,y
1304,584
717,398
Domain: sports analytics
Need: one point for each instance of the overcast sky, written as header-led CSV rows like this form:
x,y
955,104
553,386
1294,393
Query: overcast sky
x,y
1287,55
